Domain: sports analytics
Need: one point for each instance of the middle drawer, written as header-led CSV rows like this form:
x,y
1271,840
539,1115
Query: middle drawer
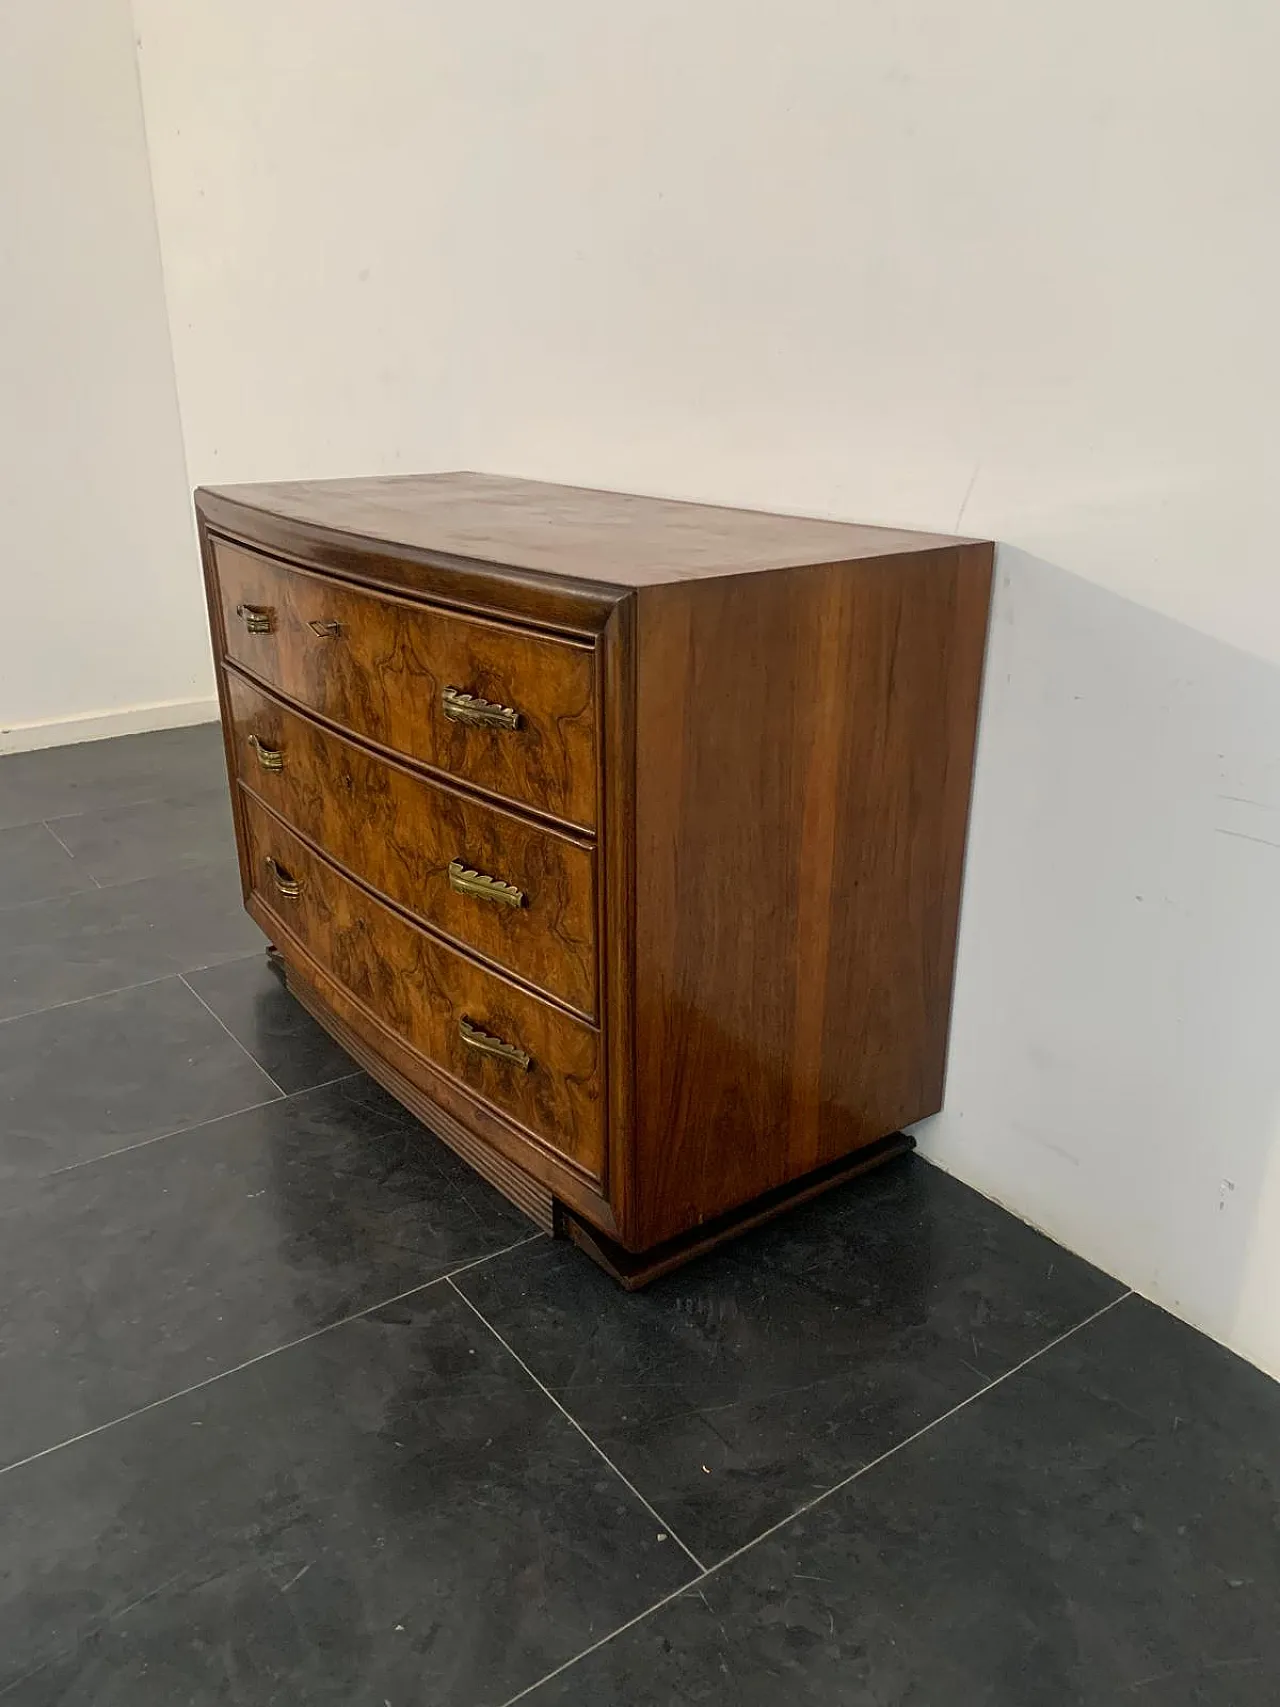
x,y
520,895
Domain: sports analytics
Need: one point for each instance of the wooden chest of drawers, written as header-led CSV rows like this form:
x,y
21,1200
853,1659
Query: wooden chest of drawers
x,y
620,839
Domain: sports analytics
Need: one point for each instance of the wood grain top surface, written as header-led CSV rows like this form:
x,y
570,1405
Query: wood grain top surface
x,y
612,537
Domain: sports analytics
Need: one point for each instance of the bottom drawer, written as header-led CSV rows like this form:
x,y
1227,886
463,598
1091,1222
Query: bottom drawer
x,y
527,1059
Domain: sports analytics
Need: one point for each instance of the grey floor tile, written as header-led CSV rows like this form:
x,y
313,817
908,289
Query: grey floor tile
x,y
104,939
732,1392
119,843
250,999
92,774
34,866
389,1512
79,1081
1103,1527
135,1276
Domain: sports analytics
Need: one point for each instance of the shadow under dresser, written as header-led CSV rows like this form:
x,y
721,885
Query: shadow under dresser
x,y
620,839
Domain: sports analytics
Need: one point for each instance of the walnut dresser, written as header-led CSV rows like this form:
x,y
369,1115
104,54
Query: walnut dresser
x,y
620,839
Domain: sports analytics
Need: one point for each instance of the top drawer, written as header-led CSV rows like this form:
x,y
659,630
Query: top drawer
x,y
508,710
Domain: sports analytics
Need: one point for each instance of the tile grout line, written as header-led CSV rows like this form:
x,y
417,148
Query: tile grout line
x,y
262,1356
594,1445
809,1505
190,867
356,1072
479,1262
826,1494
176,1132
96,885
183,979
118,989
45,824
85,811
124,805
199,1125
75,1001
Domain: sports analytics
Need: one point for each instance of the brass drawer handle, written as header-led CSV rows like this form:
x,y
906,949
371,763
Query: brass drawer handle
x,y
462,707
468,882
258,619
325,630
484,1044
270,758
289,887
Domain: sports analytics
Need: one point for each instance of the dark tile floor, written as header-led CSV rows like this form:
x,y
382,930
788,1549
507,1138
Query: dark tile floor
x,y
294,1409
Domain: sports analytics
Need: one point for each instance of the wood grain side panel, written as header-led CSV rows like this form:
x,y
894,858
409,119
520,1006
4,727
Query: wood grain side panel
x,y
804,755
398,832
383,669
421,990
906,765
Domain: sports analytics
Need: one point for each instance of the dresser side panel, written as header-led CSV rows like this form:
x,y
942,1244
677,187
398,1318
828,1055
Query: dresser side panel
x,y
804,754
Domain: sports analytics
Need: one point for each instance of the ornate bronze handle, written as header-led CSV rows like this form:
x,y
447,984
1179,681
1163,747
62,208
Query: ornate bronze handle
x,y
289,887
258,619
484,1044
468,882
270,758
325,630
462,707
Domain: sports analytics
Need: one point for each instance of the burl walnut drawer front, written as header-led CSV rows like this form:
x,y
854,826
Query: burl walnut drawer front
x,y
506,709
519,894
524,1057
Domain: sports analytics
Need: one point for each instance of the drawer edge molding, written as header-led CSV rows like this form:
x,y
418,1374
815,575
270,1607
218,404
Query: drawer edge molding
x,y
497,883
559,606
581,834
591,1021
380,665
490,616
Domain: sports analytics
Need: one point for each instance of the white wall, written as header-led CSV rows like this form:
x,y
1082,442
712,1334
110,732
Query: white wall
x,y
1004,266
305,174
1115,1075
102,628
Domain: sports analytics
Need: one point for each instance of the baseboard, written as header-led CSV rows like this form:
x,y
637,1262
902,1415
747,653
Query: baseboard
x,y
101,725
